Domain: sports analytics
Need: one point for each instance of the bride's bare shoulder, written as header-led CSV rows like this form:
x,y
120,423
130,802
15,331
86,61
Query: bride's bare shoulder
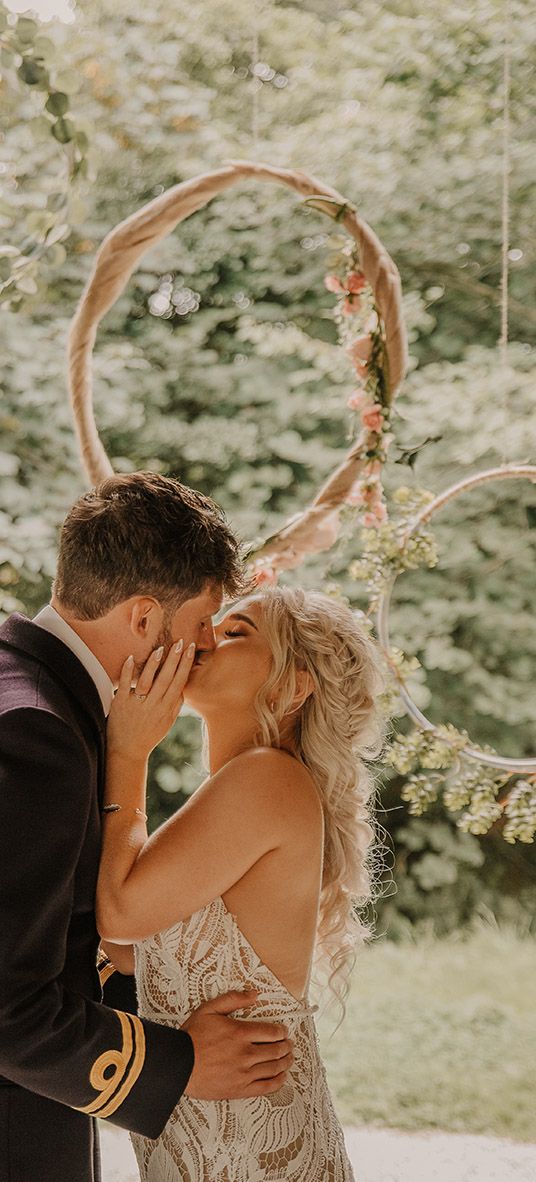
x,y
274,772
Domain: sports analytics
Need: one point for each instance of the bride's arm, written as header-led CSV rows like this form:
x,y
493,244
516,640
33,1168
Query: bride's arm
x,y
233,820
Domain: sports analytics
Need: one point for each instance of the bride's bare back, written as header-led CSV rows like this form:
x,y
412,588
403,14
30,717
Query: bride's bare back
x,y
276,902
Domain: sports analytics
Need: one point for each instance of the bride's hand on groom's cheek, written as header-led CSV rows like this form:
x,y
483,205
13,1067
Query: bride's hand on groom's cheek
x,y
142,713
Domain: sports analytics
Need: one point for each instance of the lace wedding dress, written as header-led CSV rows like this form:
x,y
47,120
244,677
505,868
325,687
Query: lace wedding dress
x,y
292,1134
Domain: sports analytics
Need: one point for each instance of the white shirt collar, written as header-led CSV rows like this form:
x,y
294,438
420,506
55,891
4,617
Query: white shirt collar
x,y
51,621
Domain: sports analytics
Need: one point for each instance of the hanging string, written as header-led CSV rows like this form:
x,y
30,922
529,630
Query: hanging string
x,y
505,202
256,83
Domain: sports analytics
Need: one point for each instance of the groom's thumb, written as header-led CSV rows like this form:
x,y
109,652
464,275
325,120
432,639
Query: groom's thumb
x,y
236,999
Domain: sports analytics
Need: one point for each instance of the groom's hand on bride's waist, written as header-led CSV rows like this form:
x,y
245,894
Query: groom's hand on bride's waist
x,y
235,1058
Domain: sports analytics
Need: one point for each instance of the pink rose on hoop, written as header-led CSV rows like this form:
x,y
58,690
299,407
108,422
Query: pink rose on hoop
x,y
355,282
333,284
367,494
372,418
351,306
351,287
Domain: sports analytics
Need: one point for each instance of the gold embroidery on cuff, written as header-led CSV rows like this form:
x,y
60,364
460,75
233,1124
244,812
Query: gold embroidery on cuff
x,y
127,1064
135,1070
106,971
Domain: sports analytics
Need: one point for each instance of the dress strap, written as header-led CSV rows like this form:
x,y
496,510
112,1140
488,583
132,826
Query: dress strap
x,y
304,1011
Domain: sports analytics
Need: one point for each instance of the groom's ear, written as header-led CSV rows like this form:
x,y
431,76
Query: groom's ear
x,y
146,617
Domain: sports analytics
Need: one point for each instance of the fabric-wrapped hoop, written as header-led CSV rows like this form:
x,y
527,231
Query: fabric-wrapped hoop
x,y
314,528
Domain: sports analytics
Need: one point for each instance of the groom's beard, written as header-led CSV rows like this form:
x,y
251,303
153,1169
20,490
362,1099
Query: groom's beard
x,y
164,638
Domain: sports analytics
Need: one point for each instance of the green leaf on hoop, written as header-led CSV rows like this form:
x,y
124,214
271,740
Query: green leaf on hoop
x,y
338,210
57,103
26,30
31,72
63,131
409,455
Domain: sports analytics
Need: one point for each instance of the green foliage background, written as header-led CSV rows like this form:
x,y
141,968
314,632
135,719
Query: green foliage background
x,y
244,395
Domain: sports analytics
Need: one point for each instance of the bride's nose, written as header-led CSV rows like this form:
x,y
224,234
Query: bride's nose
x,y
219,633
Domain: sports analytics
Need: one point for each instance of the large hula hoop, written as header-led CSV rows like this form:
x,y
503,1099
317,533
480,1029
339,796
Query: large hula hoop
x,y
314,528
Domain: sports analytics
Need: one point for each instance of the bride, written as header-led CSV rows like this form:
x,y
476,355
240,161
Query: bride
x,y
258,874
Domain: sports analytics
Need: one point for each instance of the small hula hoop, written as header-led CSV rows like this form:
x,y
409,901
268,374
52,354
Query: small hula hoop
x,y
508,472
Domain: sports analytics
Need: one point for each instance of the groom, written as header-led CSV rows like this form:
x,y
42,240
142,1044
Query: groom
x,y
143,562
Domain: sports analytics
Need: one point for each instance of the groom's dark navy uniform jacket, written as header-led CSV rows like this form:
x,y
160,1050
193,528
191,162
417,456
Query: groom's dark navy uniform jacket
x,y
64,1056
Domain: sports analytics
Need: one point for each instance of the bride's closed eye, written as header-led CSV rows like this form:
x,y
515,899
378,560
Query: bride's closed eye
x,y
229,632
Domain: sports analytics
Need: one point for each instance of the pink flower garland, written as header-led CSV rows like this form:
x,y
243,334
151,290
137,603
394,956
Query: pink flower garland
x,y
365,351
366,354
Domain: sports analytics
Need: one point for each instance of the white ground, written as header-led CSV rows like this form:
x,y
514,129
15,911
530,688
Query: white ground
x,y
386,1155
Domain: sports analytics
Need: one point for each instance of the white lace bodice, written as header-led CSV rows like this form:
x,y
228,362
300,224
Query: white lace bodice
x,y
292,1134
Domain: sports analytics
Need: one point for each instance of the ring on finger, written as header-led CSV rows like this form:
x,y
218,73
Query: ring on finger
x,y
140,697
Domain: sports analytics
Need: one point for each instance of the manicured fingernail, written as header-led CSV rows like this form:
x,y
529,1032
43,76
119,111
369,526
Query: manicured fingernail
x,y
178,646
191,649
158,653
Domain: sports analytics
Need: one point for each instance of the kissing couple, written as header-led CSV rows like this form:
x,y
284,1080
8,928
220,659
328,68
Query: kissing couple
x,y
194,1030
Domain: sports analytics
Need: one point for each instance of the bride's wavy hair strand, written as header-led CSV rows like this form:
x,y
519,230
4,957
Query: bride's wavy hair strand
x,y
337,729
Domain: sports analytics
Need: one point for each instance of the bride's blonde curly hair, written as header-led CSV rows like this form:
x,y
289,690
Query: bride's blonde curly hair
x,y
338,727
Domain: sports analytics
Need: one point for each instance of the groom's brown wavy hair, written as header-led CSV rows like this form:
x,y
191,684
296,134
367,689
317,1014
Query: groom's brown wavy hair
x,y
144,534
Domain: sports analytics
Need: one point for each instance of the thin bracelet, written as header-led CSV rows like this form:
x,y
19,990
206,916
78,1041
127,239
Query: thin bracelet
x,y
116,808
